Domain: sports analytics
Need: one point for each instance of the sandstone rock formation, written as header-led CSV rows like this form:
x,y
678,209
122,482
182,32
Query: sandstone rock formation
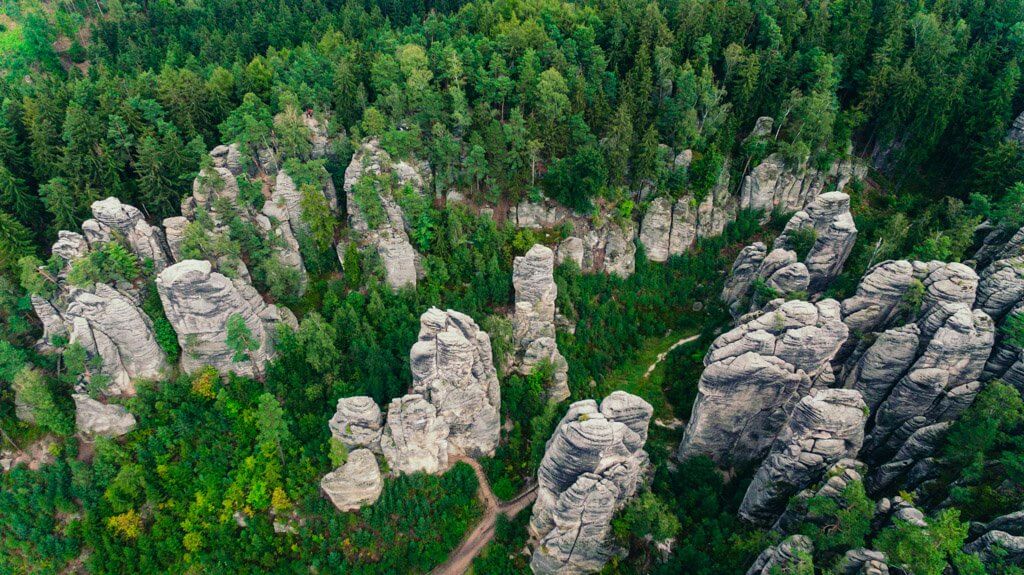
x,y
838,478
879,297
453,369
533,324
822,429
887,359
111,217
357,423
773,185
592,465
94,418
753,376
829,216
356,483
1001,539
199,302
741,277
388,237
786,558
1000,287
863,562
415,438
1016,132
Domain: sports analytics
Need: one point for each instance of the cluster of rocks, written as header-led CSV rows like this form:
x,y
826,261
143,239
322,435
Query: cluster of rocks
x,y
533,323
593,464
453,411
826,224
999,540
389,238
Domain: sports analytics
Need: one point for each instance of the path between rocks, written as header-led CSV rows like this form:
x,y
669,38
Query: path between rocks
x,y
462,558
661,356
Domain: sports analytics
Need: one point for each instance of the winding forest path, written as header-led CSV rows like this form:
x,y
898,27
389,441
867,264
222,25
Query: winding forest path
x,y
661,356
462,558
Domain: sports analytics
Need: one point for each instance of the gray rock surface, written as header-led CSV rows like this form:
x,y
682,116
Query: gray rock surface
x,y
879,297
998,546
835,233
863,561
199,302
785,558
823,428
415,438
736,291
1016,132
753,376
948,288
837,479
772,185
93,418
357,423
355,484
533,324
1000,287
390,239
453,368
145,240
592,465
884,363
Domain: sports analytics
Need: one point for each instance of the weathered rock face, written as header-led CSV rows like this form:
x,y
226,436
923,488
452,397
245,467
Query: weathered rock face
x,y
1000,287
111,326
753,376
886,361
592,465
785,558
606,246
533,324
94,418
742,276
829,216
357,423
996,546
838,478
453,368
822,429
863,562
389,238
356,483
879,296
415,438
772,185
199,302
111,216
948,288
1016,132
783,274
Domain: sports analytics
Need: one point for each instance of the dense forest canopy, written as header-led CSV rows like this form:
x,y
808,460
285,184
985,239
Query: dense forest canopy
x,y
591,104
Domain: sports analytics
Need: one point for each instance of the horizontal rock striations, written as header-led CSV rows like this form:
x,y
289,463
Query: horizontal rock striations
x,y
593,463
453,368
822,429
356,483
834,235
415,438
112,218
791,557
357,423
199,302
753,376
533,323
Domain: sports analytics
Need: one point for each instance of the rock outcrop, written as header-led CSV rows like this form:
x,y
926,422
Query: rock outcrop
x,y
1016,132
999,541
357,423
753,376
199,302
533,324
592,465
863,561
356,483
834,235
93,418
376,216
415,438
790,557
772,185
822,429
453,368
112,218
837,479
742,276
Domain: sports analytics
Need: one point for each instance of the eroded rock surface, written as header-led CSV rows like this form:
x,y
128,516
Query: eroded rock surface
x,y
772,185
415,438
753,376
357,423
593,463
453,368
356,483
146,241
199,302
533,324
822,429
93,418
785,558
834,235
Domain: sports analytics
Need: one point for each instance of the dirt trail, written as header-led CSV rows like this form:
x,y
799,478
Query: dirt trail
x,y
462,558
661,356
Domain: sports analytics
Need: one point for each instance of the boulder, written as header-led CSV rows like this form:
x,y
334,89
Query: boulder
x,y
453,368
415,439
791,557
592,465
355,484
571,249
822,429
863,561
998,547
357,423
199,302
753,376
1001,287
93,418
533,324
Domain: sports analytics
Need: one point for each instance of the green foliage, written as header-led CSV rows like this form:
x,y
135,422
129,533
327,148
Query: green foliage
x,y
928,550
34,392
366,194
239,338
646,515
111,263
801,240
837,524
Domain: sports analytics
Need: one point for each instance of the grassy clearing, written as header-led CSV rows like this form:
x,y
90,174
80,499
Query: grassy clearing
x,y
629,376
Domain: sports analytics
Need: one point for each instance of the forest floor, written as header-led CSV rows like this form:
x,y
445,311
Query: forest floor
x,y
644,374
461,559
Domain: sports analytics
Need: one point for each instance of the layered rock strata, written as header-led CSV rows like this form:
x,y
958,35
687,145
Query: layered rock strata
x,y
790,557
357,423
533,324
415,438
355,484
